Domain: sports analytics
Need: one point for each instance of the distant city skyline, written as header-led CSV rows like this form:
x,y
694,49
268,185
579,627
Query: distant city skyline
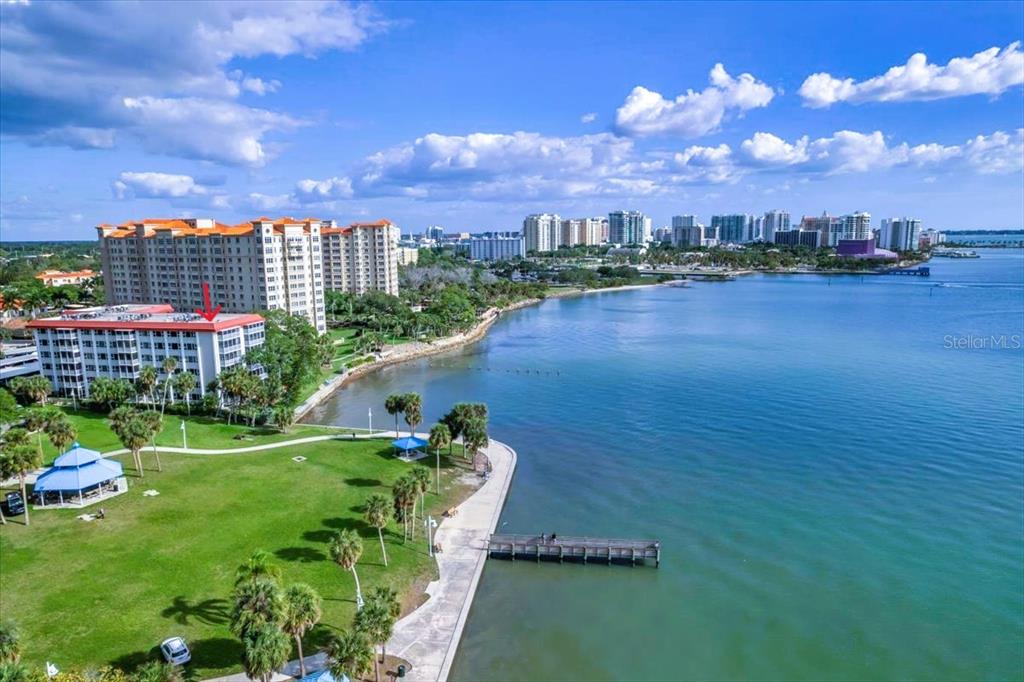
x,y
472,116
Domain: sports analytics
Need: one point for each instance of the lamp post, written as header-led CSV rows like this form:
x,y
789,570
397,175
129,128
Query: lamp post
x,y
369,413
431,524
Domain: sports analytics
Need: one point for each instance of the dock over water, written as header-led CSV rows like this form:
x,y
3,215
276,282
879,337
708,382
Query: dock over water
x,y
573,548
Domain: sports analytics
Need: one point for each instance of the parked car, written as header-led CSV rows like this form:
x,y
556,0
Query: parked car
x,y
175,651
15,505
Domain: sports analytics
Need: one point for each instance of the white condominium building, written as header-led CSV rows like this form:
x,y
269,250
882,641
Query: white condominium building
x,y
263,264
582,232
856,226
117,341
828,226
772,222
542,232
361,257
900,234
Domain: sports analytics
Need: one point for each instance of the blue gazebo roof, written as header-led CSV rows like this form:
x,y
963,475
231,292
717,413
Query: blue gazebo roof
x,y
76,470
323,676
77,456
409,443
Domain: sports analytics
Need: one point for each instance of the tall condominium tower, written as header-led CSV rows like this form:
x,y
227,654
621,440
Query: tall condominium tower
x,y
542,232
628,227
263,264
361,257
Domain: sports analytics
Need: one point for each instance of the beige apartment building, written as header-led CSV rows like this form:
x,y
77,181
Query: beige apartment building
x,y
362,257
262,264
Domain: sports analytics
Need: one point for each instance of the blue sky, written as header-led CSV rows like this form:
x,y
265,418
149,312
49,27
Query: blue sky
x,y
473,115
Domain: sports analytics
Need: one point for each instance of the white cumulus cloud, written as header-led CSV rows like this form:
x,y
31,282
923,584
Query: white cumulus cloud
x,y
588,118
990,72
773,150
181,190
646,112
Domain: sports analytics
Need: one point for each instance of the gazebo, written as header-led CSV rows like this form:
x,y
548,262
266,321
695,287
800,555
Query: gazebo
x,y
410,448
78,478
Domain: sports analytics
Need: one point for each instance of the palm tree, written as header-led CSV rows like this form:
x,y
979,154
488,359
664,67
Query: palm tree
x,y
395,404
376,622
36,420
378,514
184,383
440,437
24,460
266,650
60,431
169,365
413,404
258,565
403,492
421,478
258,602
475,435
38,387
284,417
10,643
301,612
146,382
155,423
386,598
346,549
133,432
349,655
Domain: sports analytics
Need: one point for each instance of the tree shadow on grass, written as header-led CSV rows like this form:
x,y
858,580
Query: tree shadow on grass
x,y
363,482
304,555
209,611
129,662
342,523
216,652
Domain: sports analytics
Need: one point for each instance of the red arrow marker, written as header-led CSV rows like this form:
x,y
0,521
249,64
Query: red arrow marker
x,y
207,314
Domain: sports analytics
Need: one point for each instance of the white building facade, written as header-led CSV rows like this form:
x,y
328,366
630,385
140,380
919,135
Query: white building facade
x,y
362,257
542,232
259,265
900,234
495,248
116,342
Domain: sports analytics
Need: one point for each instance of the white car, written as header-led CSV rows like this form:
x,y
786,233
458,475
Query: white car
x,y
175,651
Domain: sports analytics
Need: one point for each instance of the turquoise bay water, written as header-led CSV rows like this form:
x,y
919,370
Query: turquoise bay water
x,y
839,494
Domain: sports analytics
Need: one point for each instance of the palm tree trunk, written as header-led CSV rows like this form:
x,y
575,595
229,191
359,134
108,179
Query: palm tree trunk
x,y
380,534
376,668
359,592
397,434
138,462
302,663
437,454
24,498
156,453
3,519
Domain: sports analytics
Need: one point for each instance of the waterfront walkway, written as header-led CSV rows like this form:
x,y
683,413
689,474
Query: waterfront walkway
x,y
429,636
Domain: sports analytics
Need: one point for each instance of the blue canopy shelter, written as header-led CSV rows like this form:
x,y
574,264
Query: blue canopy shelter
x,y
410,447
78,478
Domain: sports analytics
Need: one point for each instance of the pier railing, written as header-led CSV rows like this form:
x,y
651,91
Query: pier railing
x,y
574,548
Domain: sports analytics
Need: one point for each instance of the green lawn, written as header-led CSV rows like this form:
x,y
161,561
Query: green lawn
x,y
89,594
203,432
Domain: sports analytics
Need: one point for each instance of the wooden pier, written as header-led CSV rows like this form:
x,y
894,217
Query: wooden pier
x,y
577,549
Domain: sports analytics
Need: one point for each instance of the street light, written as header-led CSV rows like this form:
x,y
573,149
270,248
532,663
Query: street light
x,y
431,524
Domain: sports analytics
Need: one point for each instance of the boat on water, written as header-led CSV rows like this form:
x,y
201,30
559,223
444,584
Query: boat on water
x,y
954,253
679,283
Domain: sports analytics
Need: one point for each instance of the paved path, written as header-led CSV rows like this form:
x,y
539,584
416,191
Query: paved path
x,y
429,636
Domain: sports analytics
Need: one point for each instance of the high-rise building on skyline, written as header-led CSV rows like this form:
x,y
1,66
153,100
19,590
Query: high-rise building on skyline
x,y
361,257
900,234
495,248
798,237
435,232
856,226
542,232
731,228
628,227
684,221
687,233
828,226
774,220
262,264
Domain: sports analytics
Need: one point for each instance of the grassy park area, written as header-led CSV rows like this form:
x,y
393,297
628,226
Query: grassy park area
x,y
203,432
106,592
